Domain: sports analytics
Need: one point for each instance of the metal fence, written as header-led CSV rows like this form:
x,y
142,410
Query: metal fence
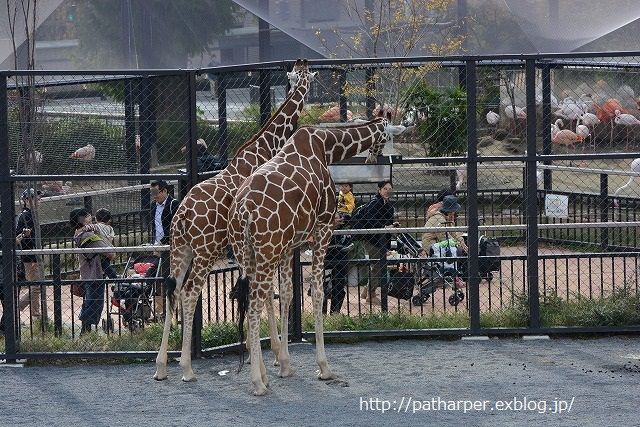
x,y
539,151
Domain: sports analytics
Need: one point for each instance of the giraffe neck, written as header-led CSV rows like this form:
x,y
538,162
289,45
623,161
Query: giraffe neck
x,y
343,143
272,137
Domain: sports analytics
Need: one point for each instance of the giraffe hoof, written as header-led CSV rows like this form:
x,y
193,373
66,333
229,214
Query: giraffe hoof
x,y
286,372
327,376
276,362
159,377
260,391
189,379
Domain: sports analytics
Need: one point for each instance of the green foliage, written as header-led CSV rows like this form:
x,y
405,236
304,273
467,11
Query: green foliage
x,y
444,127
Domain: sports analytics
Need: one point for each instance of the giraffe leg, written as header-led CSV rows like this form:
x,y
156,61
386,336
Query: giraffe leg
x,y
273,328
258,370
319,246
180,269
286,295
189,299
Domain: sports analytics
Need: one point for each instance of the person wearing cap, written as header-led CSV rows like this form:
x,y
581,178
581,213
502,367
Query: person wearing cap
x,y
25,238
443,216
90,267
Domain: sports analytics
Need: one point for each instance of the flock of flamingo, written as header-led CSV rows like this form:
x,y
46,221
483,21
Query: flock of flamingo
x,y
581,115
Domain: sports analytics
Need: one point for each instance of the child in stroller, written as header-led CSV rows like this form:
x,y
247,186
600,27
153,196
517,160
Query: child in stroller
x,y
134,300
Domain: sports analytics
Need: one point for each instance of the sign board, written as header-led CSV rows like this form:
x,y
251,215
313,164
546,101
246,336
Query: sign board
x,y
359,173
556,206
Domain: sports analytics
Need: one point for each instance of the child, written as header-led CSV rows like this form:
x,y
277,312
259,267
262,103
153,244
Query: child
x,y
346,200
104,229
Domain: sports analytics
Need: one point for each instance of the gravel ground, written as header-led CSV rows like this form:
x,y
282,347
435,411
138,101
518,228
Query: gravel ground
x,y
597,378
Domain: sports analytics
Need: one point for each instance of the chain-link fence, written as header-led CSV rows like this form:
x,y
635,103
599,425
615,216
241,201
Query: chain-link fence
x,y
509,201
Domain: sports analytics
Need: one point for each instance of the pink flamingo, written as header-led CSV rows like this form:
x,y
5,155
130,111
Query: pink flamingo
x,y
88,152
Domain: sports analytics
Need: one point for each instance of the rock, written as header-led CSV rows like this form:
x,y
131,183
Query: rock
x,y
485,141
501,134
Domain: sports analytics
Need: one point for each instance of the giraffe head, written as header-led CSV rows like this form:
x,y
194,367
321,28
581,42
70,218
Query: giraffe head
x,y
300,75
389,132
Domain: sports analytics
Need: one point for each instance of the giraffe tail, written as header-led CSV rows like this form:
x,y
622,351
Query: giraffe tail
x,y
242,287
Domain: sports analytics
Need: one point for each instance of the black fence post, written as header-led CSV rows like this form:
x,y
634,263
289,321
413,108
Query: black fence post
x,y
88,203
547,146
7,215
57,294
531,198
192,179
472,195
223,129
296,325
342,82
130,128
370,75
264,79
604,211
147,136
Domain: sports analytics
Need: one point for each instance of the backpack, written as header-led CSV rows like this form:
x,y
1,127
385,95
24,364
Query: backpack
x,y
489,246
361,214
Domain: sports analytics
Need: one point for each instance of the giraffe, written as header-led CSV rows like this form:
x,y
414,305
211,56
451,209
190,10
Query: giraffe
x,y
199,227
288,200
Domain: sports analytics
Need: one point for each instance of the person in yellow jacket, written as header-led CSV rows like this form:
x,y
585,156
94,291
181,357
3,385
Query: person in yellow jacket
x,y
346,200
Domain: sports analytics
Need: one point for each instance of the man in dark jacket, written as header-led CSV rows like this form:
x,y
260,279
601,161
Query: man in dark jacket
x,y
25,237
162,211
378,213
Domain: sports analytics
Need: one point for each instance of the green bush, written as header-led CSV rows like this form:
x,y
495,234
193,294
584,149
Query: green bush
x,y
443,127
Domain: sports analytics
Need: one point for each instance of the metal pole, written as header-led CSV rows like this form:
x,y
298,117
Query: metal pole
x,y
223,132
264,79
342,81
370,90
547,147
57,295
531,198
147,137
192,137
296,324
7,215
472,196
604,211
130,128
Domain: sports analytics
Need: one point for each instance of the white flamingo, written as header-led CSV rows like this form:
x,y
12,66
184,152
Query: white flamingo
x,y
635,167
626,120
589,119
461,177
515,112
493,118
88,152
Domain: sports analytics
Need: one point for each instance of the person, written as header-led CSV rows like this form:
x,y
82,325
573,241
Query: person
x,y
435,207
442,216
25,238
162,211
90,269
346,200
104,229
336,260
378,213
206,162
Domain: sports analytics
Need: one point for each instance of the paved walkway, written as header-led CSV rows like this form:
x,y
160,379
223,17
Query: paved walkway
x,y
594,382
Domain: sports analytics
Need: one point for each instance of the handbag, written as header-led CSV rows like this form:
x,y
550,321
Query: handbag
x,y
77,289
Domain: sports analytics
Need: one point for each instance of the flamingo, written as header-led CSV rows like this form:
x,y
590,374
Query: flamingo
x,y
514,113
635,167
564,136
589,119
607,112
626,120
461,177
88,152
582,130
637,103
333,114
493,118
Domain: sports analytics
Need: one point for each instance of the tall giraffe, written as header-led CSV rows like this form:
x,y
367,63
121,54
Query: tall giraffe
x,y
287,201
199,227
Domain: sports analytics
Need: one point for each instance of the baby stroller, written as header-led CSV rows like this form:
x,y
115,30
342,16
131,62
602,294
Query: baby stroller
x,y
439,272
134,300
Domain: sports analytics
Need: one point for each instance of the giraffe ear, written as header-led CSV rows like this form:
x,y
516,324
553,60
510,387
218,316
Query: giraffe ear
x,y
313,75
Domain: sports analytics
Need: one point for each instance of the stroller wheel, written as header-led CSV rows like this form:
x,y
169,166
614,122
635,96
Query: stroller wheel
x,y
456,298
419,299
